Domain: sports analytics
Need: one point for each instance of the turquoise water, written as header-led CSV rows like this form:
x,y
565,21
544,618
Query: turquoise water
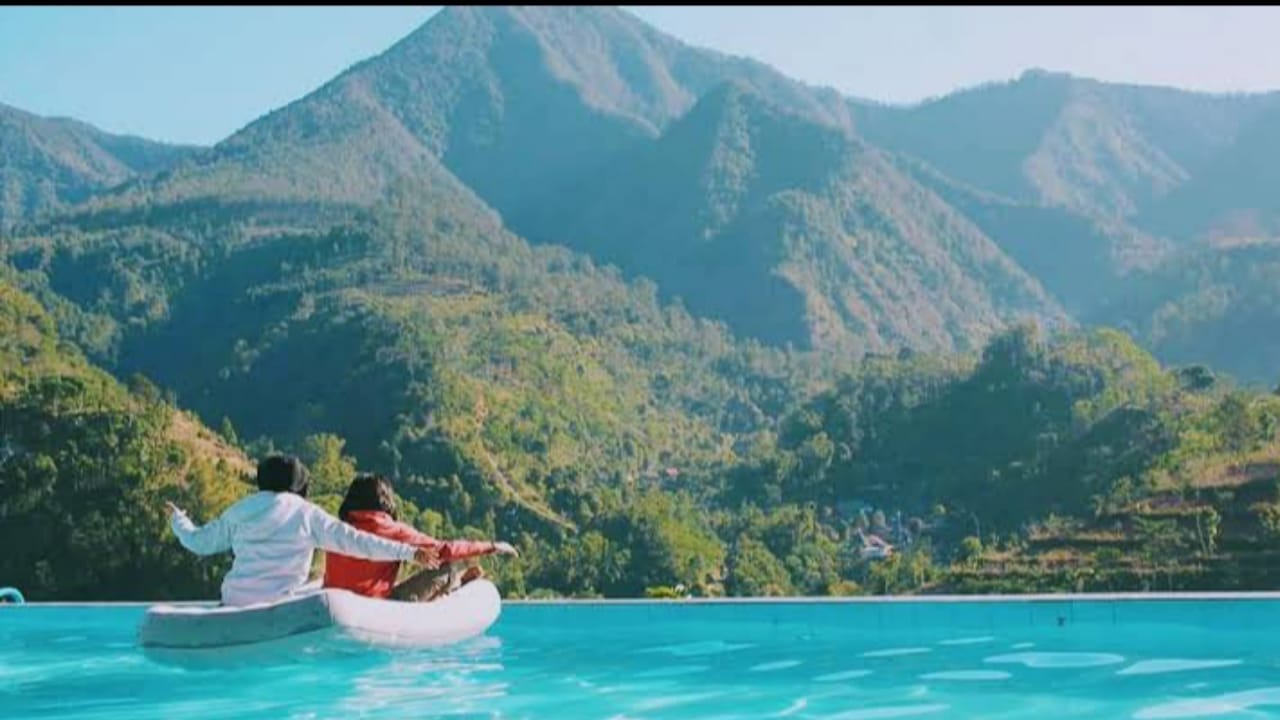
x,y
1044,659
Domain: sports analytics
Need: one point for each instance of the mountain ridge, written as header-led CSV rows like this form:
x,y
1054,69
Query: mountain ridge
x,y
48,163
525,114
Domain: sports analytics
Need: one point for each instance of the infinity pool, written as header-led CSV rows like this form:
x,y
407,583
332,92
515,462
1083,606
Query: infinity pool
x,y
1040,659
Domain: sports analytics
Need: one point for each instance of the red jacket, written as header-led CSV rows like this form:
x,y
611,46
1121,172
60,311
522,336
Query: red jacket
x,y
374,578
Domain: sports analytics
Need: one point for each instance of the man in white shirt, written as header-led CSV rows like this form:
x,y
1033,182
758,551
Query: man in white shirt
x,y
274,533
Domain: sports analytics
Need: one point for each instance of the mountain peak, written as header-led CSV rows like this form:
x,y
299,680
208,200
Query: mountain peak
x,y
1040,74
735,103
613,60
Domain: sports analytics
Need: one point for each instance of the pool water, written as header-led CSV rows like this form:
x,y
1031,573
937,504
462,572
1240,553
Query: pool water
x,y
1017,659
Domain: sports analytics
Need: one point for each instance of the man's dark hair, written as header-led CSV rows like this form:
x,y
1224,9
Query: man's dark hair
x,y
369,492
283,473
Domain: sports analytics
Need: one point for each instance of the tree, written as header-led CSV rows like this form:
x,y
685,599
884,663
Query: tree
x,y
1197,378
1268,515
813,565
1208,524
902,573
970,550
330,471
86,469
667,542
228,431
754,571
1242,424
1162,544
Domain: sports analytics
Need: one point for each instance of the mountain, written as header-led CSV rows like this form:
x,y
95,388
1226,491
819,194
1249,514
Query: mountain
x,y
1088,185
499,380
1079,260
1100,149
793,232
562,119
577,284
46,163
503,382
85,467
1231,199
511,100
1217,306
924,226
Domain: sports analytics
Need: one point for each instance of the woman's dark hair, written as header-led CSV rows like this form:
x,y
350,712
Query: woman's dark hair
x,y
369,492
283,473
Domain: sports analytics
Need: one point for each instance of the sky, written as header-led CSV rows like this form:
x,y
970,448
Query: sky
x,y
197,74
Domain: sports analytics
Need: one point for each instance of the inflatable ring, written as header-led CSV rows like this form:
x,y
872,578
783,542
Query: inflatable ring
x,y
313,622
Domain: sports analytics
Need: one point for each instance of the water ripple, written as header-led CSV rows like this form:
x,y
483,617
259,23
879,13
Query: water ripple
x,y
967,675
771,666
672,670
1058,659
1156,667
794,708
895,652
668,665
838,676
709,647
1211,706
968,641
895,711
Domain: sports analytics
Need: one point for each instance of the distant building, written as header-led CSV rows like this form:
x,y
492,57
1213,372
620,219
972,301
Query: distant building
x,y
874,547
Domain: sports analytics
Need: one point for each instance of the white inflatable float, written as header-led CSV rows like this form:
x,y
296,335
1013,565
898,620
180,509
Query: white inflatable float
x,y
314,623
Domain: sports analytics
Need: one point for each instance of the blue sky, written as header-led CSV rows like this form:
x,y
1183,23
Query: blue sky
x,y
197,74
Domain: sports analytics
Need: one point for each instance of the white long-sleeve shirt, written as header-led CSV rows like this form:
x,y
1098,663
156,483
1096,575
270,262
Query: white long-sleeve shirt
x,y
274,536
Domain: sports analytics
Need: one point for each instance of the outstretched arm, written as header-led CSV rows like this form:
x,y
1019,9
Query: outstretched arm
x,y
330,533
210,539
450,550
454,550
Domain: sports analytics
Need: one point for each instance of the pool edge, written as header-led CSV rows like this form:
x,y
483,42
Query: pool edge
x,y
816,600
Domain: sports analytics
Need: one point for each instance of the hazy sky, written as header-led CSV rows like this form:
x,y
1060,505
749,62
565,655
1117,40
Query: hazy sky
x,y
197,74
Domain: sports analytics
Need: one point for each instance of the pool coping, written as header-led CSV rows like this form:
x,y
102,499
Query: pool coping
x,y
817,600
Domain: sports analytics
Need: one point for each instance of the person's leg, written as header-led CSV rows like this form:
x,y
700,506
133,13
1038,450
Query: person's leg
x,y
429,585
424,586
457,580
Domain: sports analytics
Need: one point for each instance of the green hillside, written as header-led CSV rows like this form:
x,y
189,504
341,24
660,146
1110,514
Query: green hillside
x,y
793,232
1217,307
1073,465
48,163
661,317
85,468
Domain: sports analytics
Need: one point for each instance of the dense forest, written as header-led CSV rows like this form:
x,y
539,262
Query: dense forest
x,y
1076,463
85,464
667,320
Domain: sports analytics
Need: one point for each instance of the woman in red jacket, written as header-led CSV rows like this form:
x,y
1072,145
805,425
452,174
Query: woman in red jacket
x,y
370,505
